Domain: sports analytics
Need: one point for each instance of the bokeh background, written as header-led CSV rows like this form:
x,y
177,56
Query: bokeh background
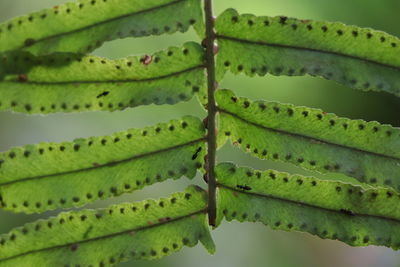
x,y
238,244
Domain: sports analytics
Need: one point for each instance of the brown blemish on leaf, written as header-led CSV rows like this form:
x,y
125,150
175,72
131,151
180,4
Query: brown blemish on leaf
x,y
22,78
313,141
165,219
74,247
146,60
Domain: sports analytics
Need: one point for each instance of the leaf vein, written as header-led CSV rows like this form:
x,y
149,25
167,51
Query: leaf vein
x,y
234,39
102,22
106,236
308,137
111,81
303,204
104,165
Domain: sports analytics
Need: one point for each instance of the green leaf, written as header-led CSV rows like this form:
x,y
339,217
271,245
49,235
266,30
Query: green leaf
x,y
85,25
71,82
356,215
312,139
36,178
360,58
147,230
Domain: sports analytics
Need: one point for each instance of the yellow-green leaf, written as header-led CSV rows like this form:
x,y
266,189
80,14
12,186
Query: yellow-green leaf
x,y
147,230
72,82
47,176
356,215
360,58
84,25
312,139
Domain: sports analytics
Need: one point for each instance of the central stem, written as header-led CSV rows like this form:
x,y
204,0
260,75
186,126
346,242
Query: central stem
x,y
212,110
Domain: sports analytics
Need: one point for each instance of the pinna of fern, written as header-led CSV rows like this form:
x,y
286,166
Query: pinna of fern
x,y
46,70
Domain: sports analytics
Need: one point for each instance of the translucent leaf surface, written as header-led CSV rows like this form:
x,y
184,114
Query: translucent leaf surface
x,y
84,25
312,138
360,58
356,215
147,230
71,83
36,178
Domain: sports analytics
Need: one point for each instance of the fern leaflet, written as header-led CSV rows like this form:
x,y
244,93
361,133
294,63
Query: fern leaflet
x,y
85,25
75,173
147,230
312,139
73,82
359,58
358,216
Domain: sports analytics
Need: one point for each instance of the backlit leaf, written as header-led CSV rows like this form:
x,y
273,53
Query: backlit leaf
x,y
312,139
47,176
360,58
72,83
358,216
147,230
83,26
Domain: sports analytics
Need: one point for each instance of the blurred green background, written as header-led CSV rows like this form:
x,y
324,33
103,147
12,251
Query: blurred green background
x,y
237,244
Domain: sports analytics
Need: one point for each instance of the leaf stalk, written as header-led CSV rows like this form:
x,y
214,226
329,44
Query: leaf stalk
x,y
212,110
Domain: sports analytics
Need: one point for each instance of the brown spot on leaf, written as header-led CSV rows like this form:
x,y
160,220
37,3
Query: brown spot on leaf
x,y
215,49
165,219
23,78
206,161
205,122
74,247
313,141
146,60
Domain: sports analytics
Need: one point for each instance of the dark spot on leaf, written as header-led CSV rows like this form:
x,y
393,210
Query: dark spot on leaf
x,y
195,155
29,42
105,93
74,247
347,212
243,187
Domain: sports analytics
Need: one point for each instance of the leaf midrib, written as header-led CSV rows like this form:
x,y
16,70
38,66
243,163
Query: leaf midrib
x,y
107,236
104,165
308,137
305,204
109,81
101,23
235,39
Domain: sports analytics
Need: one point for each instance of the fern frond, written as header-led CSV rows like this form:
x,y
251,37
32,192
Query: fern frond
x,y
71,82
360,58
312,139
85,25
356,215
147,230
36,178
